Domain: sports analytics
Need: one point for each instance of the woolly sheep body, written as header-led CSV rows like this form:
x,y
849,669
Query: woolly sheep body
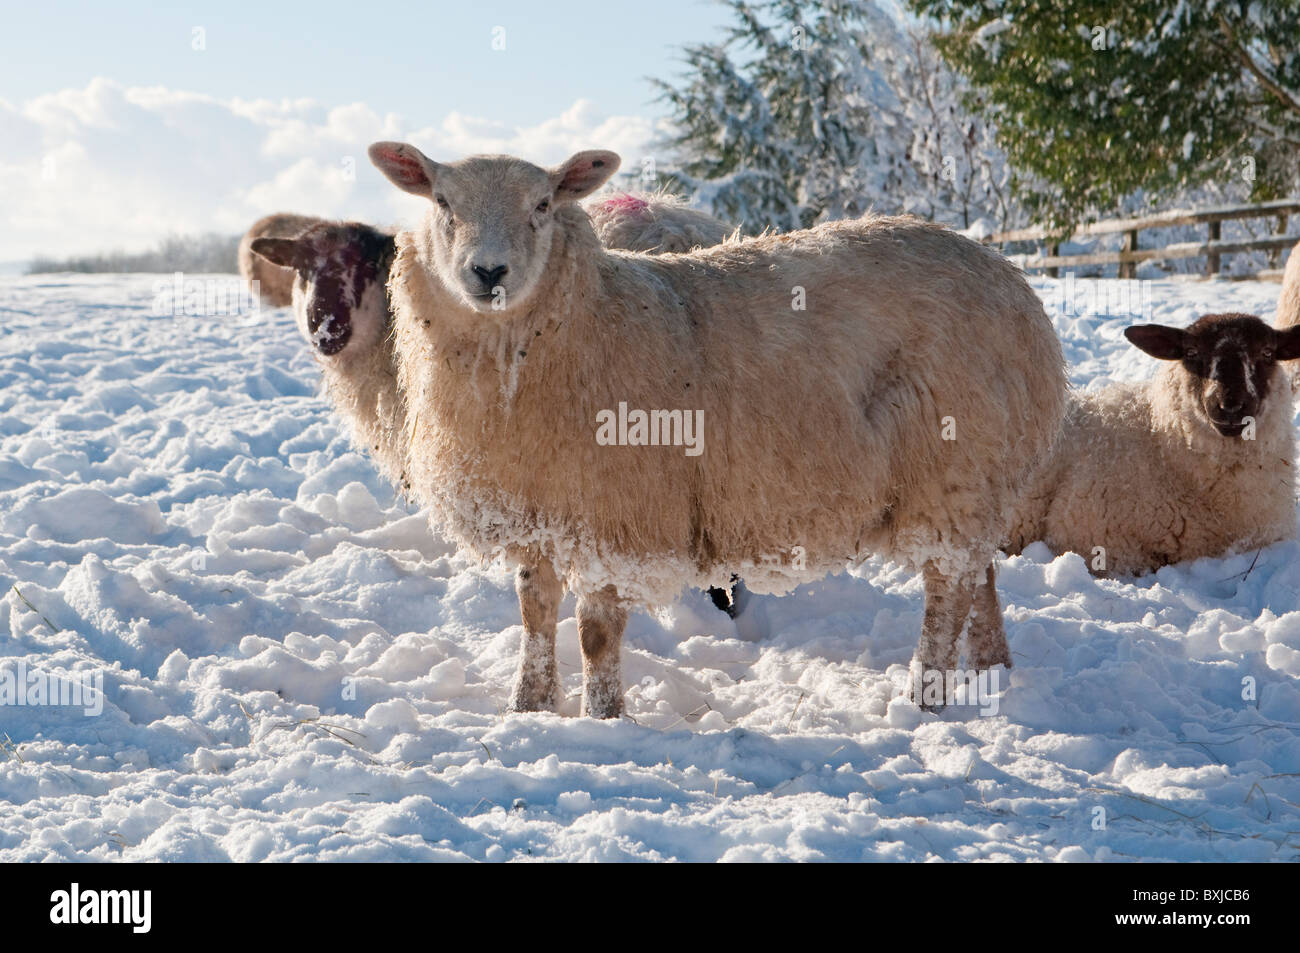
x,y
907,324
1141,474
881,385
275,283
658,224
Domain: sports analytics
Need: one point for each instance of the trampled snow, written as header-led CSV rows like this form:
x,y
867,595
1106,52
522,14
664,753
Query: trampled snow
x,y
295,668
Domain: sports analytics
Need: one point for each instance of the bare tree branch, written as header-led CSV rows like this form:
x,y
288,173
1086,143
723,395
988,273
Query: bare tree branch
x,y
1252,66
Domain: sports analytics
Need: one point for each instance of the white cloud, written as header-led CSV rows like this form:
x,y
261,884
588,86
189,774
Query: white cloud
x,y
114,167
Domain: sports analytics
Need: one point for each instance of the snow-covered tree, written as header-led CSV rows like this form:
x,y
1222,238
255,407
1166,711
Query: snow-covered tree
x,y
822,109
962,169
1102,102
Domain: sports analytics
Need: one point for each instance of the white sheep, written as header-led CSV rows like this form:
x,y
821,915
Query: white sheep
x,y
1195,462
659,223
881,385
275,284
1288,306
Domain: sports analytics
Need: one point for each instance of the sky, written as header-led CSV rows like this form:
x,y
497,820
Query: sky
x,y
121,123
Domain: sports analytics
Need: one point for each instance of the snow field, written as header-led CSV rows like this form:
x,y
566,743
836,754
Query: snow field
x,y
296,668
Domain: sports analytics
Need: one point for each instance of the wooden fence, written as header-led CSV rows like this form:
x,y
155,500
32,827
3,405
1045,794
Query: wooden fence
x,y
1050,260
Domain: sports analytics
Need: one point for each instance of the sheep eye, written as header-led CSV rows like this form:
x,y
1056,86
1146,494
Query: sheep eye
x,y
442,203
544,206
1268,354
1191,354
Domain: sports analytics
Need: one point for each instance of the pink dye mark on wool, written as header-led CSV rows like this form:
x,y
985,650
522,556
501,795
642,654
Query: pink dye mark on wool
x,y
625,204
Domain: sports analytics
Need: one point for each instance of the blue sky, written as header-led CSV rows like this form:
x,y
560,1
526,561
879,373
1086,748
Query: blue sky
x,y
418,59
115,129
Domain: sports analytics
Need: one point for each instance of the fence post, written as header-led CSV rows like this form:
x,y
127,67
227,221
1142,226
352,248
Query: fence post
x,y
1212,262
1275,256
1053,250
1128,269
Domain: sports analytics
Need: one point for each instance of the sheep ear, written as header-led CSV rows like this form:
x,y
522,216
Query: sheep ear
x,y
286,252
1159,341
1287,344
405,166
583,174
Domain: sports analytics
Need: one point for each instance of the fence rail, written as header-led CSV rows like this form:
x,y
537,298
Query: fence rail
x,y
1213,249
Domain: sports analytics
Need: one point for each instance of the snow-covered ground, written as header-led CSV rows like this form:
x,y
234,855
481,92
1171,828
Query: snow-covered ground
x,y
295,668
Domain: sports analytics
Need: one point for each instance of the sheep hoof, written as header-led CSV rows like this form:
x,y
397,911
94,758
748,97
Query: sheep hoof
x,y
602,705
982,663
925,688
934,708
522,700
524,708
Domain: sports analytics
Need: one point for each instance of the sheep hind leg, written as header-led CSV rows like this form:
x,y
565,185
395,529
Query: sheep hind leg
x,y
537,680
601,620
986,637
948,601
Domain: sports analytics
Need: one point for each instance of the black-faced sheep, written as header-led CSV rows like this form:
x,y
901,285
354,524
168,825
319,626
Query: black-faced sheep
x,y
903,410
1195,462
340,301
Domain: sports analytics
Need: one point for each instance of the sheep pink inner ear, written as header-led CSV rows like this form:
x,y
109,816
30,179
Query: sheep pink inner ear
x,y
1287,345
405,166
583,174
285,252
1157,340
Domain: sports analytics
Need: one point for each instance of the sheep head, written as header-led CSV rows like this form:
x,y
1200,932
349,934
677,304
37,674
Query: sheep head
x,y
1229,361
493,217
337,263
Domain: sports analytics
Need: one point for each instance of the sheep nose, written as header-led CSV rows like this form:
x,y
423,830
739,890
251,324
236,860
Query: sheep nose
x,y
491,277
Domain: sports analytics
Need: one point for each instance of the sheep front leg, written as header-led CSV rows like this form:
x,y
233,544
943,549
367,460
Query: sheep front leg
x,y
948,601
537,680
601,620
986,638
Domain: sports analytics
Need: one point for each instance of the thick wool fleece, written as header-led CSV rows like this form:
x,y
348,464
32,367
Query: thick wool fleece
x,y
825,429
656,224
